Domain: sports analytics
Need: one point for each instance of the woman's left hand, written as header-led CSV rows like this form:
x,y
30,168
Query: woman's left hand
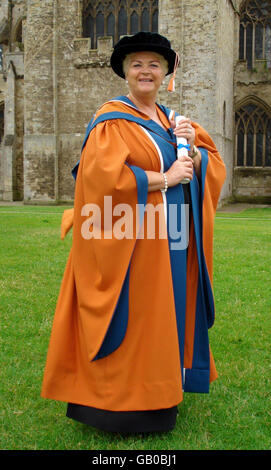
x,y
185,130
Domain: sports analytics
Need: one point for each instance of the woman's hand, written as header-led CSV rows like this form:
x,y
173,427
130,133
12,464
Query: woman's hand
x,y
180,169
186,131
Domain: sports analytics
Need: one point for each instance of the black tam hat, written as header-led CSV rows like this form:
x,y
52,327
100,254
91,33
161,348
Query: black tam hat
x,y
143,41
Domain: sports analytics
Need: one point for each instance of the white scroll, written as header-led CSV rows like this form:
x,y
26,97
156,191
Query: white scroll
x,y
182,149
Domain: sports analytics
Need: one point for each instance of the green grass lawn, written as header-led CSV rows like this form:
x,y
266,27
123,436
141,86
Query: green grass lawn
x,y
237,412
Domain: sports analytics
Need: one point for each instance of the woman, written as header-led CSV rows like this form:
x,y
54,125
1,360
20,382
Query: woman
x,y
130,332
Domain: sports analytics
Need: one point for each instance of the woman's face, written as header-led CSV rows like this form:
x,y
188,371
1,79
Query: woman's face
x,y
145,74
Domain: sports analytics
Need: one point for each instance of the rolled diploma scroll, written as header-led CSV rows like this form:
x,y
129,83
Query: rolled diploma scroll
x,y
181,151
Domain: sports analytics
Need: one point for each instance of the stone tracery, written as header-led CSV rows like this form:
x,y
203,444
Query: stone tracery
x,y
255,32
117,18
253,135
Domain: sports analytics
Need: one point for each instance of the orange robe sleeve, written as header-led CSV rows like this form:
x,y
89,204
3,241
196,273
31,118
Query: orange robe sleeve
x,y
100,264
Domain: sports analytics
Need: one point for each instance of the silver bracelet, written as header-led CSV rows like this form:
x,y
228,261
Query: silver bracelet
x,y
165,182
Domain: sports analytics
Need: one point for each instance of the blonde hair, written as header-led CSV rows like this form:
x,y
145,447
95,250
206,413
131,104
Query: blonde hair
x,y
128,58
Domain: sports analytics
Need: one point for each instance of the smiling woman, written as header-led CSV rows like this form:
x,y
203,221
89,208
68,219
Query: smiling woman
x,y
159,58
144,75
130,333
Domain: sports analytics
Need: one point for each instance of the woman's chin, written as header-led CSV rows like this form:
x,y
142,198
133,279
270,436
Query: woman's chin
x,y
147,90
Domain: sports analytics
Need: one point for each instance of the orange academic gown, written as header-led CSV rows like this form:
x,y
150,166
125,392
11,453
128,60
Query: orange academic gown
x,y
116,337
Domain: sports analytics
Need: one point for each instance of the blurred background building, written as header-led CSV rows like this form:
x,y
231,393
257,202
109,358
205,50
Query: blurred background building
x,y
55,72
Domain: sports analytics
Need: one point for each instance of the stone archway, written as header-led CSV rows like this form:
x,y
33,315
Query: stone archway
x,y
253,133
252,165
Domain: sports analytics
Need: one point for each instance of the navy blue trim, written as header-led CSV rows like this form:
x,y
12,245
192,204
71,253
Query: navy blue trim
x,y
178,261
118,325
210,306
142,189
147,123
204,165
197,196
197,218
197,381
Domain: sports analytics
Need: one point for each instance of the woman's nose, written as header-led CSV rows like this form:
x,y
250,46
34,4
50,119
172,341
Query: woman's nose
x,y
146,69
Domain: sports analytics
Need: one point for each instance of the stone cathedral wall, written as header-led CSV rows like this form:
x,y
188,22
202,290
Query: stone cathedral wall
x,y
65,82
60,82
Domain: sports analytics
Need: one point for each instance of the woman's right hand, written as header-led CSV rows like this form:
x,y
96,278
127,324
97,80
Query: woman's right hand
x,y
180,169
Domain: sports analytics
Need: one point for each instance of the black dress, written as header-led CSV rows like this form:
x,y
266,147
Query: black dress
x,y
124,421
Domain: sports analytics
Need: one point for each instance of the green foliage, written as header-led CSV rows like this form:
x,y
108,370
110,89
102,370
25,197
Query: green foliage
x,y
237,412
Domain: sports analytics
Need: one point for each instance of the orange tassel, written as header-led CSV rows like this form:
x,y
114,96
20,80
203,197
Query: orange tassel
x,y
171,85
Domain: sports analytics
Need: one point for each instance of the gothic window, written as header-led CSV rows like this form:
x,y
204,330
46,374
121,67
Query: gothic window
x,y
253,136
255,32
118,17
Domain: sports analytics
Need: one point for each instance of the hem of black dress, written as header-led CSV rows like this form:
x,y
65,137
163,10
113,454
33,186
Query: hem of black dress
x,y
162,420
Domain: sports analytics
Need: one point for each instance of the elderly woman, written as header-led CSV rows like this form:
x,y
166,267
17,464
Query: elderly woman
x,y
130,333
